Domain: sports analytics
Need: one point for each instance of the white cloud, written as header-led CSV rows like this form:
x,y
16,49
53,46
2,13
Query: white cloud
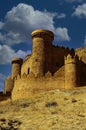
x,y
80,11
1,37
62,15
2,79
1,25
7,53
54,14
62,34
22,20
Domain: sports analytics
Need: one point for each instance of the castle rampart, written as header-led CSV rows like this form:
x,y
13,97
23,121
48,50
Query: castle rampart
x,y
46,68
29,85
25,68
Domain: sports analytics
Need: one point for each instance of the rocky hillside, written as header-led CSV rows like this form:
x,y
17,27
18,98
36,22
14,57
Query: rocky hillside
x,y
53,110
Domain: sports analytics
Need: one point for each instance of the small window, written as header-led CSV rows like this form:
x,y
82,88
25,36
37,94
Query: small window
x,y
36,60
28,70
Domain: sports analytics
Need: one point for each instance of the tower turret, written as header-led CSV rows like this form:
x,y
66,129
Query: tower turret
x,y
16,67
71,71
9,84
41,51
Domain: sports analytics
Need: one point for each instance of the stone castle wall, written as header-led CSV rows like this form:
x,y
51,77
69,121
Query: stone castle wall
x,y
28,85
54,60
9,84
71,71
58,54
46,68
25,68
81,52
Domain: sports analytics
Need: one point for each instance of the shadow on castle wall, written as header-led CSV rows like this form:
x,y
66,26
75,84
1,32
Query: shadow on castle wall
x,y
5,96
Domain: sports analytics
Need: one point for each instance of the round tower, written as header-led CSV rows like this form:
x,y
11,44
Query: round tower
x,y
16,67
9,84
71,72
41,51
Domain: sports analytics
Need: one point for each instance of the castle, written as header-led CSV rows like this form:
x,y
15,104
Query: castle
x,y
48,67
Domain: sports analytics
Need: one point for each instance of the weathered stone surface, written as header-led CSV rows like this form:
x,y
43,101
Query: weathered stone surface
x,y
9,84
16,67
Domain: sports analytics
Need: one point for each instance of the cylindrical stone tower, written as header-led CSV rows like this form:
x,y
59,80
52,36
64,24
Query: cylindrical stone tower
x,y
9,84
71,72
16,67
41,52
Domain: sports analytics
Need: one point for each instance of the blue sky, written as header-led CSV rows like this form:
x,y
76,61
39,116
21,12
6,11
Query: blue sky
x,y
18,18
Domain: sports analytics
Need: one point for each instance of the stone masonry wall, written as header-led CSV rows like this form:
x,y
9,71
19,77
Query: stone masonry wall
x,y
46,68
27,85
16,67
9,84
58,54
71,72
41,58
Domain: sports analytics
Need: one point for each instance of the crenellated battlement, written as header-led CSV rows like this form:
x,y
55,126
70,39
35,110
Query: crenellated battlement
x,y
71,59
45,34
71,71
17,60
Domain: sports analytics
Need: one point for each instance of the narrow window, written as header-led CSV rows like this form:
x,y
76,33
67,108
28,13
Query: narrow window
x,y
28,70
36,60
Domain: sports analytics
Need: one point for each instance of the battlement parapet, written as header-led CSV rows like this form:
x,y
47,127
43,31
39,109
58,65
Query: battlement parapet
x,y
79,49
17,60
45,34
31,76
48,74
71,59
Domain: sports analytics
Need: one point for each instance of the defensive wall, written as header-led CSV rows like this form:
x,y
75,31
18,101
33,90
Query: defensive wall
x,y
48,67
66,77
29,84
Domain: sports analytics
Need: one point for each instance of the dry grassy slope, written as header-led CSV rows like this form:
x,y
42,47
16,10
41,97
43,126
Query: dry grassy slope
x,y
53,110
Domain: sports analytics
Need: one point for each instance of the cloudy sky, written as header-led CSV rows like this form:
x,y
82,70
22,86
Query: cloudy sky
x,y
18,18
